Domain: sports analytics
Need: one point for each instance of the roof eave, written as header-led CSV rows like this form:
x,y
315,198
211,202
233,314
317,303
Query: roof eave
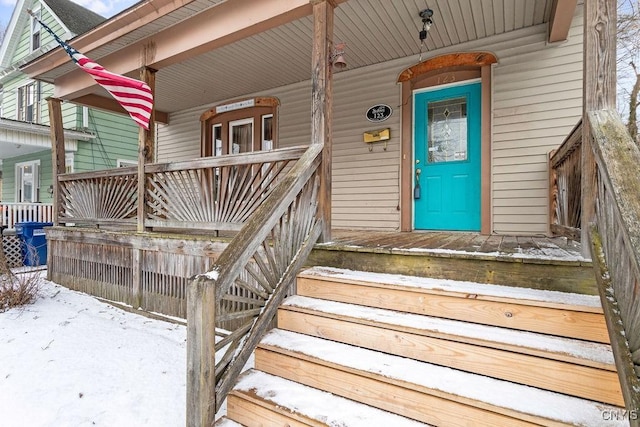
x,y
129,20
11,39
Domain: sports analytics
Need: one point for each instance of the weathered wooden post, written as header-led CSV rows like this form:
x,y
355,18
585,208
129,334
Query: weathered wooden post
x,y
146,154
146,150
201,375
599,92
58,162
322,100
57,151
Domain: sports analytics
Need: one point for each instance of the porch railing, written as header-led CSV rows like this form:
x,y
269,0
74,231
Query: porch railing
x,y
216,193
565,181
100,197
262,260
12,213
616,244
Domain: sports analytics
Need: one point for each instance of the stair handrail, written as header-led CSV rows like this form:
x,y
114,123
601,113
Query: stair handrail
x,y
615,245
262,259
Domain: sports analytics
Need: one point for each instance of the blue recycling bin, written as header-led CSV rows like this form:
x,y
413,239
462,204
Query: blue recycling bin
x,y
34,242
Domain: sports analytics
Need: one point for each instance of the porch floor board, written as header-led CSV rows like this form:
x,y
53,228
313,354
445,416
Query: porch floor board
x,y
460,243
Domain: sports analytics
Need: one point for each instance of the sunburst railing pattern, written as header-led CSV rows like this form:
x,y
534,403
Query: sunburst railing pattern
x,y
214,193
99,197
262,260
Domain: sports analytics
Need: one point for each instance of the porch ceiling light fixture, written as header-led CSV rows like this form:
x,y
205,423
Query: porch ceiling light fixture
x,y
427,22
337,57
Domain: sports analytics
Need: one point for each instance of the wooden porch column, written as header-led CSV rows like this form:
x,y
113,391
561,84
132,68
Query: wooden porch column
x,y
599,92
57,151
146,149
201,350
321,98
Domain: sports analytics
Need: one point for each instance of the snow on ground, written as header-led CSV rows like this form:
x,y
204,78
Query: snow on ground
x,y
69,360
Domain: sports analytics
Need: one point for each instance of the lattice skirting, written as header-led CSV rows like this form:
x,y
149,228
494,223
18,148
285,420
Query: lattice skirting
x,y
13,250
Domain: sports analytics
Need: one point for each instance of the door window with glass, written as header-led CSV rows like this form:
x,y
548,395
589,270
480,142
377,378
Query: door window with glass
x,y
447,136
241,136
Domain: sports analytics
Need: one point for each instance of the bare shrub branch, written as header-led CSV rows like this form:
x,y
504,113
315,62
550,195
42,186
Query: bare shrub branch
x,y
19,290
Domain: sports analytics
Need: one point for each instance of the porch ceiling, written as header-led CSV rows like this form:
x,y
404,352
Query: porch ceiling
x,y
374,30
19,138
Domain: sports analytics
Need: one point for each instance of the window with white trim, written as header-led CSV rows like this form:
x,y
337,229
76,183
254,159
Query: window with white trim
x,y
267,132
29,98
28,182
68,163
85,117
216,138
35,29
241,136
123,163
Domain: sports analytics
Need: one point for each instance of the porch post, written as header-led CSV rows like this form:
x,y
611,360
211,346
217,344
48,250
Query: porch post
x,y
146,150
599,92
322,96
57,151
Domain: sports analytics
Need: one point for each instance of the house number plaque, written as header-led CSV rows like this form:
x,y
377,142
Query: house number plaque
x,y
379,113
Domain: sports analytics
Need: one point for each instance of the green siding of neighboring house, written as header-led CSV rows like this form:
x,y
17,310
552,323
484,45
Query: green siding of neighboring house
x,y
24,45
45,175
116,138
116,134
10,102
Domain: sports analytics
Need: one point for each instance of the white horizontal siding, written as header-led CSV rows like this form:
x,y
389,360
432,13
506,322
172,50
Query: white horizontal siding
x,y
180,140
537,100
365,183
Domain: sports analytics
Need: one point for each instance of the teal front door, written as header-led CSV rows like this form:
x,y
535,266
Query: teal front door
x,y
447,136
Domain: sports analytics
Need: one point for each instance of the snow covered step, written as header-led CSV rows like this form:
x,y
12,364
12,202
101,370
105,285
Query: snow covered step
x,y
262,399
548,312
226,422
429,393
569,366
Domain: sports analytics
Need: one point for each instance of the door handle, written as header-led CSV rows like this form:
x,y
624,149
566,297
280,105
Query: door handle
x,y
416,189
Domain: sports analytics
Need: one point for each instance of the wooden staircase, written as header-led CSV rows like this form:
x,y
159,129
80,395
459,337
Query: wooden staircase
x,y
372,349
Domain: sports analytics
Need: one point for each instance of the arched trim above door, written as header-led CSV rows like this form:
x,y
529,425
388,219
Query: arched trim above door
x,y
453,60
440,70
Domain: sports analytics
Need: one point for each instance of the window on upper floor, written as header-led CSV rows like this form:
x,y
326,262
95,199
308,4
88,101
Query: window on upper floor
x,y
29,98
35,30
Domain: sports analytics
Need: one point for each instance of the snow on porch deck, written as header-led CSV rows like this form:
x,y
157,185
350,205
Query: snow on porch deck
x,y
460,244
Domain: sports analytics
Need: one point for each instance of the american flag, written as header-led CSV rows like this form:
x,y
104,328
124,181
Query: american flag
x,y
134,95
